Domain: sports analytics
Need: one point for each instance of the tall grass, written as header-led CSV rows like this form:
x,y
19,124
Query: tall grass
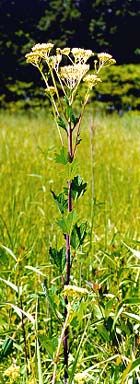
x,y
108,158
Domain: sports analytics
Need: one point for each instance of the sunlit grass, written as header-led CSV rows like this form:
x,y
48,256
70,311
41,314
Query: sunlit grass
x,y
108,159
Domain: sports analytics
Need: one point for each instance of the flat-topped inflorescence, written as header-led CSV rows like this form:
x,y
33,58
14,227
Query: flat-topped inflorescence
x,y
105,59
70,75
73,74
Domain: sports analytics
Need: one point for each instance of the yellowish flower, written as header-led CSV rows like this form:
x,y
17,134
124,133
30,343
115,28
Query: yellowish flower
x,y
50,90
64,51
81,378
32,58
12,372
54,61
91,80
74,291
72,74
105,59
81,55
43,49
32,381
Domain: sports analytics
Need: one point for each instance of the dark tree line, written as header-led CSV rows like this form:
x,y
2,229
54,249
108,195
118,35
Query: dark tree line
x,y
100,25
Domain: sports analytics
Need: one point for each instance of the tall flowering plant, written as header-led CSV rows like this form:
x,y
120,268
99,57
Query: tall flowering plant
x,y
63,71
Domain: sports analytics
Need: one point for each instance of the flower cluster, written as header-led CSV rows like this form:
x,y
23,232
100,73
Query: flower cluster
x,y
105,59
91,80
81,378
69,75
72,74
12,372
81,55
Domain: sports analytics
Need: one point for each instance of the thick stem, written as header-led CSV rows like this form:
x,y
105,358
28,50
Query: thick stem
x,y
68,264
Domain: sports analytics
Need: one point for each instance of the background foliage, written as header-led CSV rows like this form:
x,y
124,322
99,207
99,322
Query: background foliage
x,y
100,26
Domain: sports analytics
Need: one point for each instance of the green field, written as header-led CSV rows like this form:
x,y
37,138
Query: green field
x,y
104,341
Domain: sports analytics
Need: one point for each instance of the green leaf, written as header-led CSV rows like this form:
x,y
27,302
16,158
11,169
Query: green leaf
x,y
9,251
132,316
58,258
49,344
39,365
71,115
78,235
62,123
61,201
132,300
62,156
131,367
66,223
20,312
10,284
103,332
6,348
134,251
47,292
78,187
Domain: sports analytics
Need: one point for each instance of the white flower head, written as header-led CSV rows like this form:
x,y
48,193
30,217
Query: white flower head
x,y
43,49
64,51
72,74
81,55
91,80
54,61
33,58
105,59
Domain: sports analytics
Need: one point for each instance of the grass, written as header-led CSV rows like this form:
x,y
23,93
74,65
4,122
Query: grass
x,y
108,159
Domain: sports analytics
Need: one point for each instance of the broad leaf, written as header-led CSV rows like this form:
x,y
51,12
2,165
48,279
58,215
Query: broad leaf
x,y
78,235
62,123
61,201
71,115
66,223
58,257
78,187
6,348
62,156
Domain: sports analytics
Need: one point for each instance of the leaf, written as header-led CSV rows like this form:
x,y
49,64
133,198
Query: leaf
x,y
52,304
9,251
134,251
6,348
78,235
62,123
58,257
132,316
11,285
71,115
49,344
61,201
34,270
20,312
62,156
39,365
131,367
78,187
118,313
132,300
66,223
103,332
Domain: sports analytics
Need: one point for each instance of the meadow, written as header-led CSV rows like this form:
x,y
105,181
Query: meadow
x,y
104,326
